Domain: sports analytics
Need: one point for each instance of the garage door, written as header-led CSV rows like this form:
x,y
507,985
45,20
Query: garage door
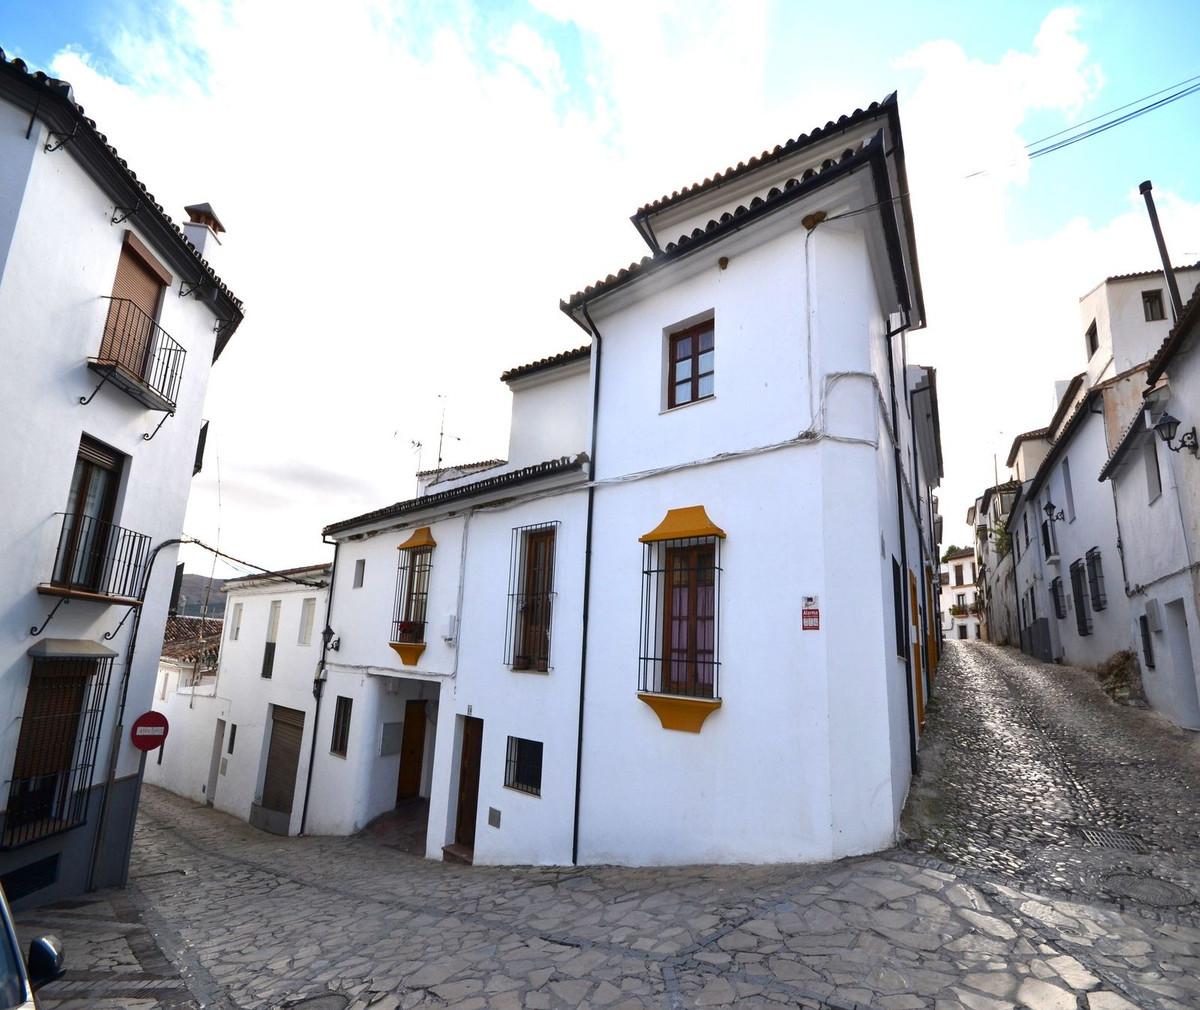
x,y
283,758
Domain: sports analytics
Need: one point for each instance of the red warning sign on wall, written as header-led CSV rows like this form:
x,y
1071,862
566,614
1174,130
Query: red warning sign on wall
x,y
810,619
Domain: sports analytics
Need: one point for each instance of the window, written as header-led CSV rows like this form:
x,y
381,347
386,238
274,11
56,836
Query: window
x,y
307,610
88,539
1093,340
958,575
530,597
235,623
1049,543
360,570
1095,575
341,726
1153,474
268,664
1025,526
1152,306
523,767
681,577
1147,645
898,610
130,330
56,747
412,594
232,738
1068,491
1083,619
690,364
1059,598
960,600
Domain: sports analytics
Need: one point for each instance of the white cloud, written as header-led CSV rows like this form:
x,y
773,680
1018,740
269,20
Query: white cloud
x,y
407,199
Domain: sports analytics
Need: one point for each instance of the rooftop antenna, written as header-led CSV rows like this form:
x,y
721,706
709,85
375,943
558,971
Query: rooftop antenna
x,y
416,447
442,432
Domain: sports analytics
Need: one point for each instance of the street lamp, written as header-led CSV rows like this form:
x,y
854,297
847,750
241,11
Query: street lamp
x,y
1167,427
331,643
1052,514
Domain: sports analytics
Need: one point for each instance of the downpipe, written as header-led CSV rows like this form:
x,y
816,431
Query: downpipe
x,y
319,685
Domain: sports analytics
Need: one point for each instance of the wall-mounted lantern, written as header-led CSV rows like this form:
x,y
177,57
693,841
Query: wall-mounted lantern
x,y
1168,426
1055,515
332,643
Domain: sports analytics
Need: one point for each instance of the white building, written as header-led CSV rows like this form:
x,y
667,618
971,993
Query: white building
x,y
666,589
111,318
241,739
1156,485
959,598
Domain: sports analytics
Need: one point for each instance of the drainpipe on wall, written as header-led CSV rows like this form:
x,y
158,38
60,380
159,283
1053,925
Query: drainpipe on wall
x,y
114,747
319,686
587,586
908,684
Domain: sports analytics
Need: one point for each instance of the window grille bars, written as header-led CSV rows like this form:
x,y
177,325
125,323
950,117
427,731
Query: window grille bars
x,y
412,594
523,765
95,556
680,641
1095,575
530,597
1049,546
1059,597
1147,644
1083,619
56,749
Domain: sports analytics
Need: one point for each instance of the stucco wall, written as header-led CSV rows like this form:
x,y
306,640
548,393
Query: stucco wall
x,y
563,394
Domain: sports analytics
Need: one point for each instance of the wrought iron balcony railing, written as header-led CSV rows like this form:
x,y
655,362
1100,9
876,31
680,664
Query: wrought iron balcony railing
x,y
410,632
97,558
139,356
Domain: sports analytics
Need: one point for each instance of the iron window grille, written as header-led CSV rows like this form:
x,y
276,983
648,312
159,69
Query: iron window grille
x,y
1095,575
523,765
1049,544
530,597
681,588
1147,644
56,749
898,610
340,740
1083,619
412,594
1059,597
94,556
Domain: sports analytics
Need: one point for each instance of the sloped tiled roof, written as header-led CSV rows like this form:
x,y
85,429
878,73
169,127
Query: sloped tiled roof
x,y
483,464
549,468
53,101
283,573
779,152
1136,424
553,361
1188,319
730,221
1025,436
188,637
1157,272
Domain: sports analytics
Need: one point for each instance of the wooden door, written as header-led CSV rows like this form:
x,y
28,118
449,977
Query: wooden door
x,y
468,782
918,667
412,752
283,758
533,638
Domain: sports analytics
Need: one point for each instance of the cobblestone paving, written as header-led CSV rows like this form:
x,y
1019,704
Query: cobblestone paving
x,y
256,921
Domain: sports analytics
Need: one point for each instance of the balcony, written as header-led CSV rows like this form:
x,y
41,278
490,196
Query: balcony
x,y
408,640
97,560
139,356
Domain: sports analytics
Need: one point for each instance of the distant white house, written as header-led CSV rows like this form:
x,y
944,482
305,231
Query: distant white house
x,y
111,318
241,736
959,598
707,567
1154,471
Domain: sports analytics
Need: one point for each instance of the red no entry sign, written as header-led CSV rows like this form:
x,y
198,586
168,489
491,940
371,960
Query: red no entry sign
x,y
149,731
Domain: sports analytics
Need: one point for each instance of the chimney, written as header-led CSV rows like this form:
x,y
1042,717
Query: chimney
x,y
203,229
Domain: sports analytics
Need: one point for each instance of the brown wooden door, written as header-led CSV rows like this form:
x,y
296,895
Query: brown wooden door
x,y
283,758
468,782
533,639
918,668
412,752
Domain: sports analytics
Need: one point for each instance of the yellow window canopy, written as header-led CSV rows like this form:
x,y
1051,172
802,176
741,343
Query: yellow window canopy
x,y
683,524
421,537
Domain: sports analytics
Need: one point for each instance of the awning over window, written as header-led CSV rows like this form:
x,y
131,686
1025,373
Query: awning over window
x,y
421,537
69,648
683,524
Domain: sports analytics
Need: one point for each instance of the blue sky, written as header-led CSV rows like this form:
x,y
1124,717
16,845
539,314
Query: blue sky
x,y
482,161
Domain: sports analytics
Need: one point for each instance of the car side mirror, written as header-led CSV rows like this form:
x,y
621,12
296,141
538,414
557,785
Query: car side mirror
x,y
46,961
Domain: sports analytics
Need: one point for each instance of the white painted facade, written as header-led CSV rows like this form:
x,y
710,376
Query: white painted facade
x,y
220,729
793,456
58,256
960,596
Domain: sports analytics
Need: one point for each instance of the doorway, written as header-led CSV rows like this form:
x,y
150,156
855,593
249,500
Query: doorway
x,y
918,668
412,751
1186,699
283,759
214,764
468,782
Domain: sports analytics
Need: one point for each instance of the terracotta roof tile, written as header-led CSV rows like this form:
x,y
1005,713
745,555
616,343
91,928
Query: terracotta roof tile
x,y
1025,436
1187,319
483,464
553,361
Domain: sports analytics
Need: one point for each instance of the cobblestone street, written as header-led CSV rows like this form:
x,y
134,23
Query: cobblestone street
x,y
998,899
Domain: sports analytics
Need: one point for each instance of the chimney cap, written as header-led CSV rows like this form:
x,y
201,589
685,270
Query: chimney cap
x,y
202,213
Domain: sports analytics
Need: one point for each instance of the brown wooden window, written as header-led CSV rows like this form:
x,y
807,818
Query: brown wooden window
x,y
341,726
523,765
56,748
531,596
690,362
679,617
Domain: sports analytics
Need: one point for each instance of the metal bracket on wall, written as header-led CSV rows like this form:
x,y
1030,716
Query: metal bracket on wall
x,y
62,139
122,214
110,635
85,400
186,289
169,413
35,630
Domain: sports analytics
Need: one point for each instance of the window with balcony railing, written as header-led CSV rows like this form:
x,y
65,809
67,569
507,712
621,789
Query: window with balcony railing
x,y
530,597
139,356
412,595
